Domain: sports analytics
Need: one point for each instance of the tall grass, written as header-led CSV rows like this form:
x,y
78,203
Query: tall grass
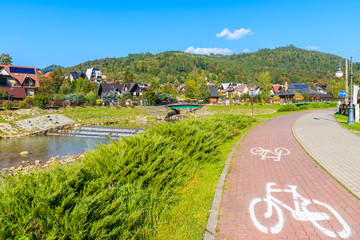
x,y
120,191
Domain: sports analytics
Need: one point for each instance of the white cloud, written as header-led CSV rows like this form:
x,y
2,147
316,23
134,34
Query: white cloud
x,y
237,34
246,50
207,51
311,47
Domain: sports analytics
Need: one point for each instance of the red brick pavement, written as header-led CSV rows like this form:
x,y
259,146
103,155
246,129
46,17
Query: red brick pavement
x,y
249,175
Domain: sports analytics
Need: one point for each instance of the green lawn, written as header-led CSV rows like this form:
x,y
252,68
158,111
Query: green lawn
x,y
343,121
98,114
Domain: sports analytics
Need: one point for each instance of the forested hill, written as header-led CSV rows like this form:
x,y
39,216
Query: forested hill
x,y
284,64
50,68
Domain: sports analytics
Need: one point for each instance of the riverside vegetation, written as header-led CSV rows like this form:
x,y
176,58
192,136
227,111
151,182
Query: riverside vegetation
x,y
131,189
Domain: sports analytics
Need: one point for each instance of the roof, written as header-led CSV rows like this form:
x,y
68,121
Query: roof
x,y
276,87
213,91
17,92
225,85
301,88
120,87
46,75
20,73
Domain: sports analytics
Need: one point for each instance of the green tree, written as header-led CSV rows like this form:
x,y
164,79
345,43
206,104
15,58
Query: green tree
x,y
85,88
202,90
307,96
263,80
190,89
5,59
129,76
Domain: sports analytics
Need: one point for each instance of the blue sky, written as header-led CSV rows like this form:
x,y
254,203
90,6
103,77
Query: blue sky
x,y
40,33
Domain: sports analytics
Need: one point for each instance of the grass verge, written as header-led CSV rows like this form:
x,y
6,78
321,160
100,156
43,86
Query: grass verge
x,y
343,121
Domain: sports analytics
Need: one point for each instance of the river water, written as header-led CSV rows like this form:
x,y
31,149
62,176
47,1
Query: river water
x,y
44,147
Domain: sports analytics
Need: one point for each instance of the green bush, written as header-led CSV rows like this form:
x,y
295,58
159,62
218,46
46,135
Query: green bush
x,y
303,107
22,104
319,105
120,191
76,99
288,108
91,98
8,105
41,100
29,101
3,94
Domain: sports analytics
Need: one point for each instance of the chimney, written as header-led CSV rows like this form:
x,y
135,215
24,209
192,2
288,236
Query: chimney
x,y
286,86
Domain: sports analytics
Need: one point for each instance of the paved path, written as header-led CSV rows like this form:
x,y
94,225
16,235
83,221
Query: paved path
x,y
335,148
325,210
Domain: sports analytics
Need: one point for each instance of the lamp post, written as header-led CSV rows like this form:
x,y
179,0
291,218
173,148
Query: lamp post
x,y
339,73
11,88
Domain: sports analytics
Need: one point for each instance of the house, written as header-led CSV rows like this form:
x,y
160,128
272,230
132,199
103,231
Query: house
x,y
46,75
320,88
120,89
303,89
275,88
214,95
94,75
18,81
241,89
76,75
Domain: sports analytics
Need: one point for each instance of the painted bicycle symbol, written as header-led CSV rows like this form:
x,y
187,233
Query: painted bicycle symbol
x,y
300,212
268,154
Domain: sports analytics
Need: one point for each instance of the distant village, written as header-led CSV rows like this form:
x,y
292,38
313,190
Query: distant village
x,y
21,82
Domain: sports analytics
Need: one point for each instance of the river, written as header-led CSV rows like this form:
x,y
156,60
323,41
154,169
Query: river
x,y
44,147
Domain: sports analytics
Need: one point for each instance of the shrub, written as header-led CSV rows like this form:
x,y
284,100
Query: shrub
x,y
109,96
7,105
314,105
41,100
29,101
75,99
99,102
303,107
122,190
288,108
3,94
22,104
91,98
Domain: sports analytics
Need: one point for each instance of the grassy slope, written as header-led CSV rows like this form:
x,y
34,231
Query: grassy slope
x,y
127,190
90,115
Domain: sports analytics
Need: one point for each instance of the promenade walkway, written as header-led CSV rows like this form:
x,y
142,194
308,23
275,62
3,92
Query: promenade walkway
x,y
335,148
274,190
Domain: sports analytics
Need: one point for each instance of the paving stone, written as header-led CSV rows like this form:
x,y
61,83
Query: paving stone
x,y
249,176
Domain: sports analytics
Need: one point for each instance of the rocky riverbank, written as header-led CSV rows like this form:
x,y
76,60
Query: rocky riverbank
x,y
27,166
35,126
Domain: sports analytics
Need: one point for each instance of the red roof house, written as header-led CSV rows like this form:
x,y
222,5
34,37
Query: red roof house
x,y
18,81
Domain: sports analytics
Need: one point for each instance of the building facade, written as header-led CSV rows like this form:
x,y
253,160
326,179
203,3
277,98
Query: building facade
x,y
18,81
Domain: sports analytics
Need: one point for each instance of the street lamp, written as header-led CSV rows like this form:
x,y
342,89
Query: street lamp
x,y
339,73
11,88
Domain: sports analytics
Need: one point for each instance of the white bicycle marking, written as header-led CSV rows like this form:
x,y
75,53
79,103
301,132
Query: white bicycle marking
x,y
268,154
300,212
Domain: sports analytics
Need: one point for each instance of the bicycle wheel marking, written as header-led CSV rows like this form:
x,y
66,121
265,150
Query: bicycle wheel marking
x,y
300,212
268,154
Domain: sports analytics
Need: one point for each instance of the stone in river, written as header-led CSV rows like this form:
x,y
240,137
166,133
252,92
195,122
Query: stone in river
x,y
24,153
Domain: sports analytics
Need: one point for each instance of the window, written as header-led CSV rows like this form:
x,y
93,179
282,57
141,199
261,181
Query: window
x,y
3,82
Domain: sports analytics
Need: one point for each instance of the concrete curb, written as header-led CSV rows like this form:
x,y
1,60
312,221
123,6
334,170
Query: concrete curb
x,y
215,207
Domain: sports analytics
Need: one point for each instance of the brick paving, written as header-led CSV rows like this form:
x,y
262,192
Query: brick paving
x,y
326,210
335,148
